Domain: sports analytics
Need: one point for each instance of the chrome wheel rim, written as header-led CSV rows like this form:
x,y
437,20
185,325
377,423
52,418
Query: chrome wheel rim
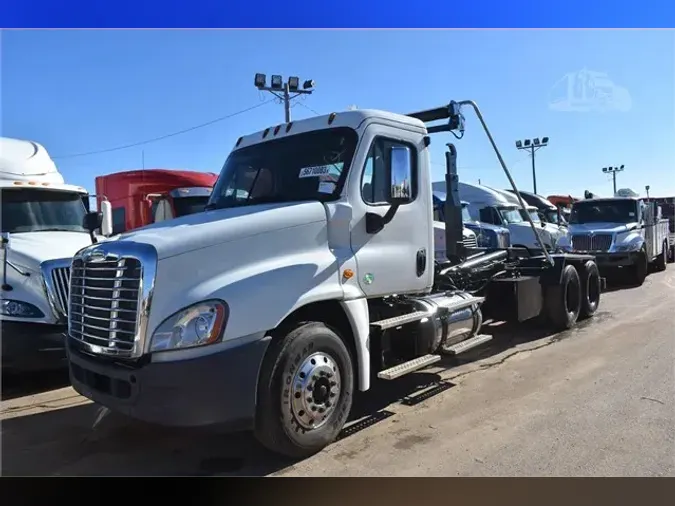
x,y
316,390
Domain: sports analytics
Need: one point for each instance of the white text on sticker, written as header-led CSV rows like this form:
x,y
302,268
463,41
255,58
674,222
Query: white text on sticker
x,y
321,170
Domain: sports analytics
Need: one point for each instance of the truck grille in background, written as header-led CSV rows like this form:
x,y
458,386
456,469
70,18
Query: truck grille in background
x,y
60,281
599,242
470,242
104,303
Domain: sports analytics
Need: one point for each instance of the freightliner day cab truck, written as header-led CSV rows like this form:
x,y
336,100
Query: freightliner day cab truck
x,y
622,232
296,287
42,228
142,197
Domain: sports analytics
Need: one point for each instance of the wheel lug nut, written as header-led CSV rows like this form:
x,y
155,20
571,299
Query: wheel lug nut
x,y
332,394
332,383
328,404
309,388
309,399
321,410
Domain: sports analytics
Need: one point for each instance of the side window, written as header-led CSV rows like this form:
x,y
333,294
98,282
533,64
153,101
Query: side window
x,y
153,209
119,220
373,181
489,215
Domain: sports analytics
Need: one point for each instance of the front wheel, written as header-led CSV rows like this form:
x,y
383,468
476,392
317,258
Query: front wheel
x,y
640,267
305,391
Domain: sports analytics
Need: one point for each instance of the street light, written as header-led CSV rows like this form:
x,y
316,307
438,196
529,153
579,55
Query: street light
x,y
613,171
531,146
283,90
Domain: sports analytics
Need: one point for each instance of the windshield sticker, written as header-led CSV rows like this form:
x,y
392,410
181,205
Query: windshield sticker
x,y
326,187
320,170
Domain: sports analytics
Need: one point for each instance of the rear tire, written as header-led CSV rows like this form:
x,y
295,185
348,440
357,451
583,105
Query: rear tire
x,y
662,260
305,391
640,267
671,257
563,301
590,290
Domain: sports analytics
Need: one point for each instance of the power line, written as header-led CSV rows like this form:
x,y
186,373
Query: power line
x,y
162,137
308,108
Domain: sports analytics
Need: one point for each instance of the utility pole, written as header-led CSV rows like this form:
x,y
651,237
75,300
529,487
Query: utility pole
x,y
283,90
532,146
613,171
647,189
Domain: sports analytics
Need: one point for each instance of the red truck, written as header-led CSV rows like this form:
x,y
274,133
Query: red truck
x,y
142,197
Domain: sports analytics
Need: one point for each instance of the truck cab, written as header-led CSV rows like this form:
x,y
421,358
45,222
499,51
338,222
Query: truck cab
x,y
549,213
141,197
311,271
540,215
43,226
487,235
622,232
491,206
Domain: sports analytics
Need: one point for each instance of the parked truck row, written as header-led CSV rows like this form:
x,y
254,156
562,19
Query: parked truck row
x,y
322,257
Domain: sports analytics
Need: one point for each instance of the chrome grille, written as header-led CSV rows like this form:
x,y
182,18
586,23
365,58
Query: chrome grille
x,y
470,242
60,281
599,242
105,297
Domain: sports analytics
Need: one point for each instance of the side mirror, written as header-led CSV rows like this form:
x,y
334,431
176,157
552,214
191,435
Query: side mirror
x,y
4,242
93,221
399,176
106,218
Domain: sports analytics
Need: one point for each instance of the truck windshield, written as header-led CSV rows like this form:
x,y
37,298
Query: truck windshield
x,y
189,205
511,214
29,210
534,215
306,166
552,216
607,211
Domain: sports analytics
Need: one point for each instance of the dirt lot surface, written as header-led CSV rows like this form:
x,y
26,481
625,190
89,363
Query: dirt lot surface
x,y
595,401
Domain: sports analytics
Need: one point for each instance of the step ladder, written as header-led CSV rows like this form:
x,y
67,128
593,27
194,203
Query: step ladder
x,y
421,362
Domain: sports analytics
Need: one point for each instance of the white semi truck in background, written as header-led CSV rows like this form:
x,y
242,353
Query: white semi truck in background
x,y
297,285
43,226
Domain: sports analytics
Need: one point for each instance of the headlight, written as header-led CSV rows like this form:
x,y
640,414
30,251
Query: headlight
x,y
628,246
19,309
198,325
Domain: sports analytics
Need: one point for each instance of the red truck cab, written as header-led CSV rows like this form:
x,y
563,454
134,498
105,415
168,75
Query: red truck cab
x,y
142,197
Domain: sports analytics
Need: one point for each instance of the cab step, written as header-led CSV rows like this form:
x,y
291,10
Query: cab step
x,y
397,321
468,344
407,367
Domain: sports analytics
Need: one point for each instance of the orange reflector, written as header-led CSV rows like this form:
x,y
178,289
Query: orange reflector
x,y
32,183
18,183
348,273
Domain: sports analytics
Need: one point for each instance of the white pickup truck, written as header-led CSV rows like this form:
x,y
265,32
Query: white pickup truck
x,y
43,226
622,232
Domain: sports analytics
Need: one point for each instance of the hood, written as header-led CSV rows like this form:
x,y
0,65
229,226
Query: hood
x,y
30,249
219,226
601,227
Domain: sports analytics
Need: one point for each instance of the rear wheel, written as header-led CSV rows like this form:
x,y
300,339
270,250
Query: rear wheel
x,y
305,391
590,289
563,301
662,260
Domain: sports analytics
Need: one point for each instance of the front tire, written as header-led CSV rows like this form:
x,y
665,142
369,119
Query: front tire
x,y
305,391
563,301
640,268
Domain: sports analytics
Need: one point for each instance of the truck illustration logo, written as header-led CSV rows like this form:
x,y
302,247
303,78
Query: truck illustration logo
x,y
586,91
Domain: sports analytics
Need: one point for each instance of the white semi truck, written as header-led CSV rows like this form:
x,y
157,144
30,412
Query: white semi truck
x,y
43,226
310,273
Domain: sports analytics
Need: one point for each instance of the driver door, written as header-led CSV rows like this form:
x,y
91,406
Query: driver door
x,y
400,257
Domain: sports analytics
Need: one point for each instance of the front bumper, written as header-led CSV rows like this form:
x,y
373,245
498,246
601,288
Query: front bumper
x,y
622,259
32,347
216,389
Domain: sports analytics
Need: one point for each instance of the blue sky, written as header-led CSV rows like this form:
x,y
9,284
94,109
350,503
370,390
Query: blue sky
x,y
81,91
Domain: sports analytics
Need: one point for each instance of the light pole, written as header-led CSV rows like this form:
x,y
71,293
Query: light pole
x,y
532,146
647,190
283,90
613,171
